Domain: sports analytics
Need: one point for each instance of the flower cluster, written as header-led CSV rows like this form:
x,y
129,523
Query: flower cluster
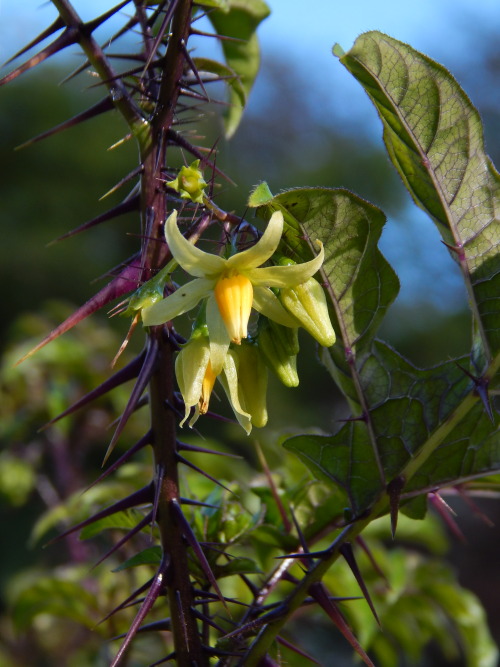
x,y
230,288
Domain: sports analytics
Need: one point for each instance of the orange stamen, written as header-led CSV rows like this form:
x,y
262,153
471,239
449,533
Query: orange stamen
x,y
206,389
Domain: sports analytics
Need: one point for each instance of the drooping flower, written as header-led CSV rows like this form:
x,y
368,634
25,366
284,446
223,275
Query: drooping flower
x,y
231,286
244,378
194,375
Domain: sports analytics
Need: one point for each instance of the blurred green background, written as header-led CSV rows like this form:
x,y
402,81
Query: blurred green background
x,y
291,136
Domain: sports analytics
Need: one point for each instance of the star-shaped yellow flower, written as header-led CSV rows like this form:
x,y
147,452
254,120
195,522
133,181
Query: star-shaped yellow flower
x,y
231,286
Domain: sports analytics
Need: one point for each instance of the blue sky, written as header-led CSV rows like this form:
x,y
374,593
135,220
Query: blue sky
x,y
449,31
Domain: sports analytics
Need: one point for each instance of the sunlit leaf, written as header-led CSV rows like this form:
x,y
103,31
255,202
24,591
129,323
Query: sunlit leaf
x,y
434,137
242,53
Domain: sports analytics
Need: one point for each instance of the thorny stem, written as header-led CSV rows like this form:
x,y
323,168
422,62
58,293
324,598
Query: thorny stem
x,y
184,627
121,99
187,641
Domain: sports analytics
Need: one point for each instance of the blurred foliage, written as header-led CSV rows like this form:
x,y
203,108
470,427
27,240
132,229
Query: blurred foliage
x,y
52,611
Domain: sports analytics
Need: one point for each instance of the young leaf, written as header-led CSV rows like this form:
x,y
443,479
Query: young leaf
x,y
242,54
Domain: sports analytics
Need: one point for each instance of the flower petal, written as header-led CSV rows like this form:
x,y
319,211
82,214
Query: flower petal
x,y
286,276
219,338
193,260
183,299
263,249
229,380
190,369
269,305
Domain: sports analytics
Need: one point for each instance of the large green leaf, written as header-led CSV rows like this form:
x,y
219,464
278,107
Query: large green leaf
x,y
434,137
427,426
409,411
239,19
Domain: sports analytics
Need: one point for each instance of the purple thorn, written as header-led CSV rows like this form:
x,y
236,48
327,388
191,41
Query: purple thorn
x,y
128,372
195,545
155,590
57,25
147,370
126,281
348,554
128,600
141,497
126,206
145,440
66,38
104,105
181,459
321,596
481,390
296,649
446,513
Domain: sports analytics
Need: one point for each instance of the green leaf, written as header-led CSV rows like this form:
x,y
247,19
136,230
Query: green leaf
x,y
149,556
236,566
407,408
434,137
120,520
358,279
464,612
242,53
224,72
17,479
223,5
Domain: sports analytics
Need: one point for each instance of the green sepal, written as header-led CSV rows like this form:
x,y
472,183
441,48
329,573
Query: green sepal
x,y
150,292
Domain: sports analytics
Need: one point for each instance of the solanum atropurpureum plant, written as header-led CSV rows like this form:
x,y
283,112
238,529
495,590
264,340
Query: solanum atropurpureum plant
x,y
312,262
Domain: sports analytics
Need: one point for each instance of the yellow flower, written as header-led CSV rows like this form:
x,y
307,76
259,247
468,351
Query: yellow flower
x,y
231,286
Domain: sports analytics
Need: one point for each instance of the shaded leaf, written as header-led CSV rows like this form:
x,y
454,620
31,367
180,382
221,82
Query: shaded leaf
x,y
236,566
407,407
149,556
120,520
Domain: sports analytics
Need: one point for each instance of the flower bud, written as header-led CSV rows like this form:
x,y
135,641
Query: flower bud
x,y
189,183
279,346
307,302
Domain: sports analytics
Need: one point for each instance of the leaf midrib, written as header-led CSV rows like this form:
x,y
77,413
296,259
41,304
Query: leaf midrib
x,y
463,262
